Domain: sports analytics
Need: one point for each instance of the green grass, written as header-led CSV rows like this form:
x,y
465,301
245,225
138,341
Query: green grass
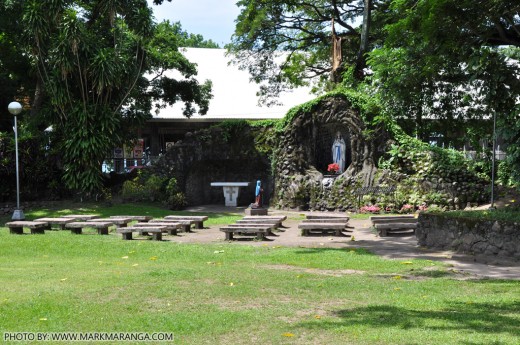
x,y
241,294
157,211
509,214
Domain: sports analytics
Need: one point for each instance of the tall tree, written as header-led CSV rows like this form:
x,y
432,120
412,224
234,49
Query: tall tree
x,y
14,79
186,39
299,33
90,61
455,72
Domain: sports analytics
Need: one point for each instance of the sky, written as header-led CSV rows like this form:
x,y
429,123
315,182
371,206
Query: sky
x,y
213,19
234,96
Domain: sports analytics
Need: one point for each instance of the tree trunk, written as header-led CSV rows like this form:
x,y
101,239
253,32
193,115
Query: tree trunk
x,y
38,98
360,63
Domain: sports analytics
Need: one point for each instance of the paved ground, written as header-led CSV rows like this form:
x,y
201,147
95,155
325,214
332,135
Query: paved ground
x,y
359,235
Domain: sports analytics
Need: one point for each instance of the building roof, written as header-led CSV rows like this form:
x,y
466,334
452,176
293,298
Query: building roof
x,y
234,96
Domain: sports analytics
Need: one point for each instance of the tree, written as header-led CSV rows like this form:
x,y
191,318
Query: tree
x,y
421,62
300,34
14,78
185,39
459,72
437,59
98,67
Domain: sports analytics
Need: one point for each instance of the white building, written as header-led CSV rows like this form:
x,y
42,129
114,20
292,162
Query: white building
x,y
234,97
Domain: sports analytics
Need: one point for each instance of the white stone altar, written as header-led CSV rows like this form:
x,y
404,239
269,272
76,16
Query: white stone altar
x,y
230,191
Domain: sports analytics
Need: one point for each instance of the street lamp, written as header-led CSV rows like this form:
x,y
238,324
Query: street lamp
x,y
15,108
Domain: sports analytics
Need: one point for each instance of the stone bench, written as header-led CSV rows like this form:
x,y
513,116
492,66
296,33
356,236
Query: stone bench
x,y
16,227
323,227
119,222
280,218
156,231
185,224
137,218
341,220
77,227
266,219
273,222
199,220
81,217
241,224
59,221
169,227
328,220
391,218
326,216
395,224
259,231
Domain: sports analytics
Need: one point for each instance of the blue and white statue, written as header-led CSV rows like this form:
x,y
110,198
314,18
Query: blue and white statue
x,y
258,195
338,152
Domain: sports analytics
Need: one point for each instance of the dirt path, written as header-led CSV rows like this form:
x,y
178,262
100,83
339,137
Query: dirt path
x,y
359,236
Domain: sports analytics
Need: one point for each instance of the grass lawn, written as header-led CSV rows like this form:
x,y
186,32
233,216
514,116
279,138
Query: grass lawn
x,y
241,294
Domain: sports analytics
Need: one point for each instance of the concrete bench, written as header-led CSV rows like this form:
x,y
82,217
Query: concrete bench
x,y
199,220
16,227
266,219
77,227
185,224
81,217
119,222
323,227
156,231
326,216
395,224
169,227
272,222
328,220
137,218
59,221
280,218
259,231
391,218
241,224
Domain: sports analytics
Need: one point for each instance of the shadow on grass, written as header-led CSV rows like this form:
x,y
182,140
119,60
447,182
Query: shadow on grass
x,y
432,274
485,318
358,251
155,210
330,233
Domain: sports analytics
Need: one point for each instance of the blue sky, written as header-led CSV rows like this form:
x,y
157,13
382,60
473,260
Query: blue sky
x,y
213,19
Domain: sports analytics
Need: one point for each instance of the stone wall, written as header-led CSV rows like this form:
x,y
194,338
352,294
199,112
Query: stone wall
x,y
218,154
304,150
419,174
469,235
7,209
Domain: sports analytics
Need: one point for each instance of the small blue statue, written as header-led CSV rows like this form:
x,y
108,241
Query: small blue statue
x,y
258,195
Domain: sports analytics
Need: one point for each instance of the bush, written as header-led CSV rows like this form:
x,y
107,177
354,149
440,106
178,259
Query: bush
x,y
407,208
145,187
155,188
133,190
505,174
370,209
176,199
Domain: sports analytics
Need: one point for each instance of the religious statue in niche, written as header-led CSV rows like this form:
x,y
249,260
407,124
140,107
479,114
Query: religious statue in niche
x,y
338,152
258,195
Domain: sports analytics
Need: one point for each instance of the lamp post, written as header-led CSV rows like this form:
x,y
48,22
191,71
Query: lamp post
x,y
15,108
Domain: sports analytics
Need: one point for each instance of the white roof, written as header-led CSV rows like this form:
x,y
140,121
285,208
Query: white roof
x,y
234,96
